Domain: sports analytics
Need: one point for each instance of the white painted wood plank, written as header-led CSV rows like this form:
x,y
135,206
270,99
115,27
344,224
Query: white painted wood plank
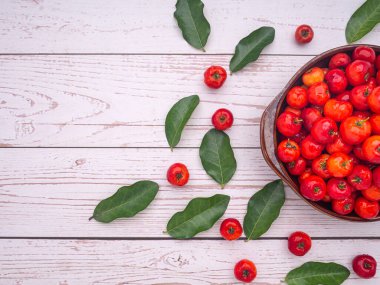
x,y
103,100
137,26
52,192
35,262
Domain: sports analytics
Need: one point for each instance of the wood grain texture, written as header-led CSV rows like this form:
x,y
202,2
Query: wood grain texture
x,y
149,26
122,101
70,262
53,192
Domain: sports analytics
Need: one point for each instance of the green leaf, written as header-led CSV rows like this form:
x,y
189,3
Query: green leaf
x,y
193,24
318,273
126,202
217,156
249,48
199,215
363,20
263,209
177,118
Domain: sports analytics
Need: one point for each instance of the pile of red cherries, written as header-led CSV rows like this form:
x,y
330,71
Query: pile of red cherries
x,y
330,133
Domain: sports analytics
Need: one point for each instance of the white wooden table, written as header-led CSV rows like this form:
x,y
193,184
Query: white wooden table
x,y
84,90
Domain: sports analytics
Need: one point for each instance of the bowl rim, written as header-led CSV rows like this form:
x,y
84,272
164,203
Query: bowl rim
x,y
283,173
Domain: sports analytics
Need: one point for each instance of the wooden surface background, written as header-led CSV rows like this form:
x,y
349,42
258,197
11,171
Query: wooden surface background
x,y
84,90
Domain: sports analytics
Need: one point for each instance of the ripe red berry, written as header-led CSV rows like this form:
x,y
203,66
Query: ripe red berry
x,y
364,266
222,119
231,229
299,243
178,174
245,271
304,34
215,76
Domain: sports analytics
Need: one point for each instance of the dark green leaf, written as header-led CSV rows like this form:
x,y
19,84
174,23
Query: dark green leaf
x,y
126,202
318,273
217,156
263,209
249,48
193,24
177,118
363,20
199,215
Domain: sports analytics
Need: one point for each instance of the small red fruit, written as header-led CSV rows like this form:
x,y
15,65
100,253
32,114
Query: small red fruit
x,y
358,151
304,34
299,243
338,189
312,76
337,110
339,60
371,149
297,97
338,146
305,175
374,100
178,174
215,76
364,53
319,166
344,96
289,124
355,130
358,72
313,188
344,206
366,209
318,94
299,136
296,167
310,148
339,164
372,193
231,229
359,97
336,81
309,116
375,124
360,177
364,266
222,119
245,271
295,111
288,150
324,130
376,176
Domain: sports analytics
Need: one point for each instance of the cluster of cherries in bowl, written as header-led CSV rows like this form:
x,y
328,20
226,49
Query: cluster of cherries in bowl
x,y
331,133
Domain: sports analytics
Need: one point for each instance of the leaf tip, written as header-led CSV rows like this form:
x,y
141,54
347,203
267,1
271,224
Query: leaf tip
x,y
222,186
90,218
203,49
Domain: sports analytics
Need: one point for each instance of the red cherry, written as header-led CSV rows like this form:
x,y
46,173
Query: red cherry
x,y
324,130
338,188
178,174
296,167
309,116
344,206
304,34
245,271
231,229
360,177
222,119
336,81
313,188
364,266
299,243
289,124
310,148
339,60
358,72
364,53
366,209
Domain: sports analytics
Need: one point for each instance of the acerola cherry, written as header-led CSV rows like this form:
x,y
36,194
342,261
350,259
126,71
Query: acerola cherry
x,y
178,174
344,96
231,229
336,81
318,94
364,53
371,149
304,34
305,174
312,76
358,72
339,164
355,130
313,188
358,151
364,266
309,116
319,166
310,148
375,124
338,146
337,110
245,271
288,150
215,76
297,97
295,111
339,60
296,167
222,119
366,209
376,176
372,193
338,188
299,136
359,97
299,243
374,100
344,206
324,130
289,124
360,177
